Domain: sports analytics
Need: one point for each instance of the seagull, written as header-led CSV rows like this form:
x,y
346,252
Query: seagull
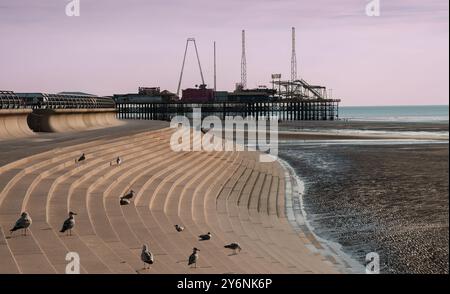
x,y
179,228
68,224
125,199
119,161
234,247
205,237
24,222
146,257
193,257
81,158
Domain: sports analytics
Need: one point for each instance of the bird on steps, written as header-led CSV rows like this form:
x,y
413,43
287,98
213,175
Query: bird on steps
x,y
193,257
24,222
146,257
179,228
234,246
125,199
205,237
81,158
68,224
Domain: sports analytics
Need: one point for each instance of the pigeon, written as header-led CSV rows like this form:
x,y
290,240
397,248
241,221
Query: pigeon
x,y
24,222
193,257
234,247
68,224
179,228
146,257
205,237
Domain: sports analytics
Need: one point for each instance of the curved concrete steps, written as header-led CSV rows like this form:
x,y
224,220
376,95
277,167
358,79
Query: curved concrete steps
x,y
230,194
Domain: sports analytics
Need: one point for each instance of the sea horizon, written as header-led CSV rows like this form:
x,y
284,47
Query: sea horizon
x,y
396,113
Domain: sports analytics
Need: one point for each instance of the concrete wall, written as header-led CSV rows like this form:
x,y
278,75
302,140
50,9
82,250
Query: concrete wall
x,y
67,120
13,123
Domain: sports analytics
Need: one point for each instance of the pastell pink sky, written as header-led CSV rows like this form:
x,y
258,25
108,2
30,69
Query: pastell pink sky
x,y
398,58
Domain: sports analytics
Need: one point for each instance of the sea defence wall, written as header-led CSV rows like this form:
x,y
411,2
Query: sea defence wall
x,y
230,194
66,120
13,123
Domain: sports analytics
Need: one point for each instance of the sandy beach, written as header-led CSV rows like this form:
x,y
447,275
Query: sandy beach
x,y
390,197
385,196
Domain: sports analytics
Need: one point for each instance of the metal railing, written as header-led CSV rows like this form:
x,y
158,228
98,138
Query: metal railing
x,y
9,100
67,101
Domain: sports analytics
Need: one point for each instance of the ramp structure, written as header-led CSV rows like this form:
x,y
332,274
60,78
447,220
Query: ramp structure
x,y
13,116
23,113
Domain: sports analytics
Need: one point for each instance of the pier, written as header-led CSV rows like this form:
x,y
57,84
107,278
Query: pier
x,y
319,109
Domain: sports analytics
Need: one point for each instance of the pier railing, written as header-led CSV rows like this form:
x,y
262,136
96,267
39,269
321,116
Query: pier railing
x,y
284,111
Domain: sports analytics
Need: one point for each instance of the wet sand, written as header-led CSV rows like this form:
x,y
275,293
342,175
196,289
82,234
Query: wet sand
x,y
357,130
366,125
389,199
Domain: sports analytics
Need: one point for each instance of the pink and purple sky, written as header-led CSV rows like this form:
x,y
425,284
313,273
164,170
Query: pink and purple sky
x,y
398,58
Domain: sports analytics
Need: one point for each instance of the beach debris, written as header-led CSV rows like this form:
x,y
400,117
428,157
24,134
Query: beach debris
x,y
24,222
68,224
193,258
205,237
234,246
179,228
146,257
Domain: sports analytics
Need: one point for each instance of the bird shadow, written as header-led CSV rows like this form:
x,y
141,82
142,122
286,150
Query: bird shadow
x,y
15,236
139,271
234,254
200,267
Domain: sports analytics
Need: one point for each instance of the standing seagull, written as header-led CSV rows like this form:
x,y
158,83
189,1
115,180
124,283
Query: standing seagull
x,y
80,159
179,228
193,257
119,161
234,247
24,222
146,257
205,237
69,224
125,199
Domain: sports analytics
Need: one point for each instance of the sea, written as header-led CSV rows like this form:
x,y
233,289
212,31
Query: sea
x,y
388,197
408,113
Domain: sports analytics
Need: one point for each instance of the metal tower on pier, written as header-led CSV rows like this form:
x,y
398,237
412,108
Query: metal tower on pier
x,y
243,63
184,60
293,58
215,74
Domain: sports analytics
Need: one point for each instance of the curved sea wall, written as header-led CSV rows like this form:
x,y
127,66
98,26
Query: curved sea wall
x,y
13,123
66,120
